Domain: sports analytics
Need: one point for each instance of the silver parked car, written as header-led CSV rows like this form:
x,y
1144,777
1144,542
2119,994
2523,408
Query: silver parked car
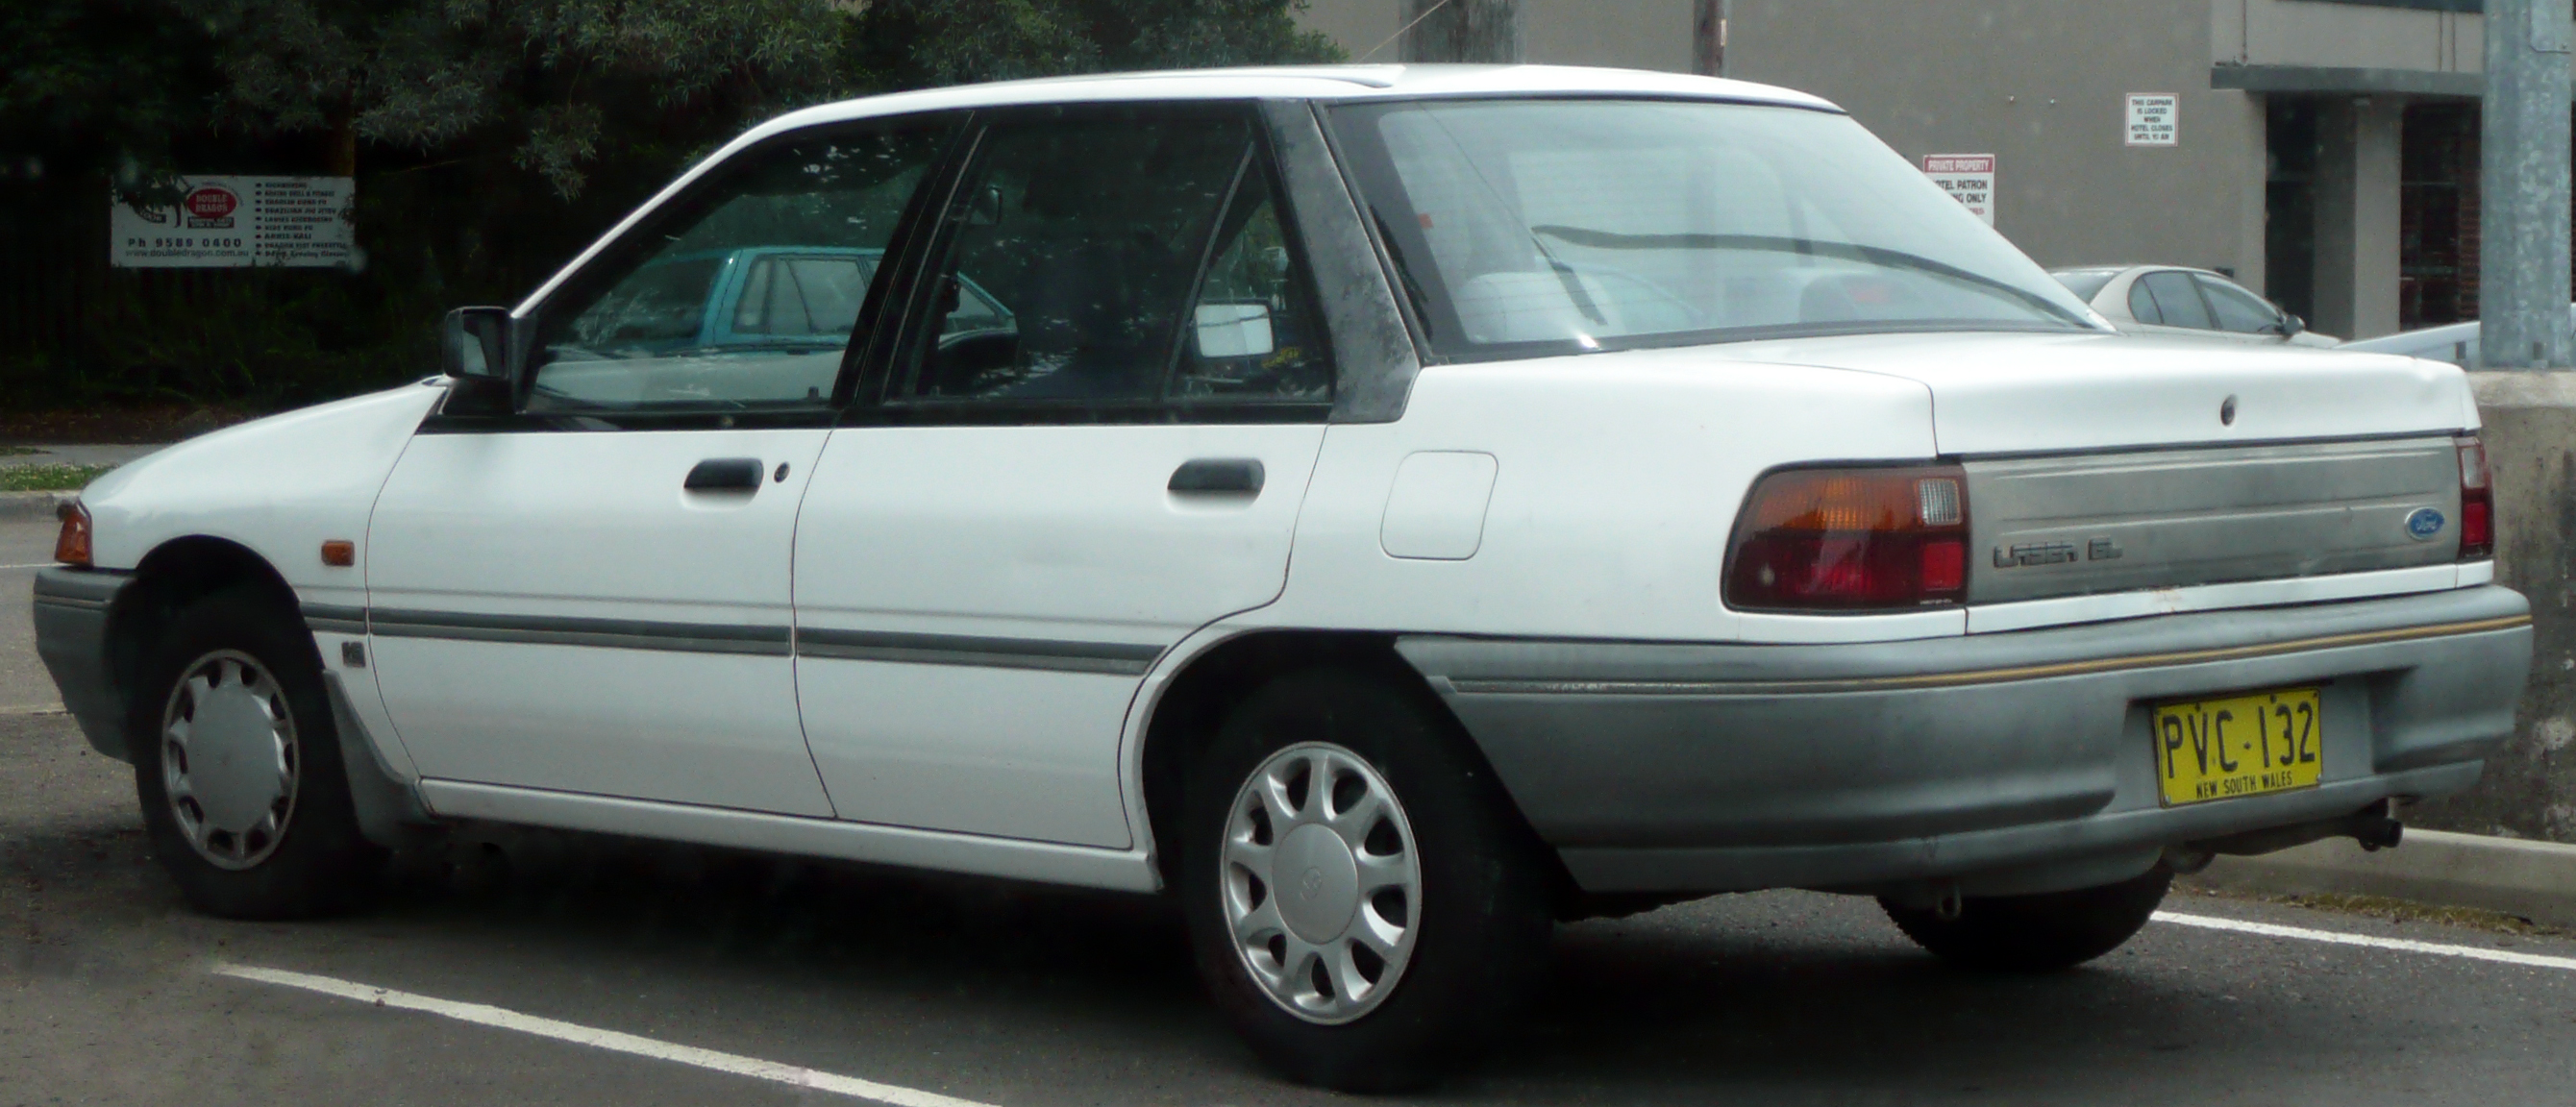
x,y
2456,343
2166,299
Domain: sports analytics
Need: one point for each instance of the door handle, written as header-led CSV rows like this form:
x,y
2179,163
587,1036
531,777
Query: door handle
x,y
1220,475
725,474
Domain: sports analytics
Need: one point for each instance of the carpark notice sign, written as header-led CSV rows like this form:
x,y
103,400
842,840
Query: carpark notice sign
x,y
2153,119
1968,178
236,222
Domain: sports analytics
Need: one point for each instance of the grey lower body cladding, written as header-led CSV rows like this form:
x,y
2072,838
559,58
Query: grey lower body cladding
x,y
1690,767
71,609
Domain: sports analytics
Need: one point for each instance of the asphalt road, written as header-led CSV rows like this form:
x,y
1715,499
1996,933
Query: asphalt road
x,y
1008,994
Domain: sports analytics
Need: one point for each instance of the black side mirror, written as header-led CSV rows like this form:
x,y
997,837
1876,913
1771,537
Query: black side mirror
x,y
474,344
2291,325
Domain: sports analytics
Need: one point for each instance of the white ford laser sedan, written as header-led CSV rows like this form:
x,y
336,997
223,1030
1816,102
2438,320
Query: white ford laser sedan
x,y
1389,508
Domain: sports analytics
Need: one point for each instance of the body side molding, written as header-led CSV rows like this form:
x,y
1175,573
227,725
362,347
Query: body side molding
x,y
1121,870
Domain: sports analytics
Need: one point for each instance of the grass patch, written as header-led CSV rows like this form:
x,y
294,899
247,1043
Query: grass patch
x,y
19,451
48,478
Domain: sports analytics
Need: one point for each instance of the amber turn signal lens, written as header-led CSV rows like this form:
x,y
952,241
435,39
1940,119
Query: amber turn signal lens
x,y
339,553
71,544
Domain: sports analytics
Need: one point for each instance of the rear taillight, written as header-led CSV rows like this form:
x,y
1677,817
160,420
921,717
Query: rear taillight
x,y
1851,540
2477,501
71,544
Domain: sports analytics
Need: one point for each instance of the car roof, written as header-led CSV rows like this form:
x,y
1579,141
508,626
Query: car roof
x,y
1315,82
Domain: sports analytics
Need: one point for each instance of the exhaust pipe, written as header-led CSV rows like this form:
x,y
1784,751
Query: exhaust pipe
x,y
2374,827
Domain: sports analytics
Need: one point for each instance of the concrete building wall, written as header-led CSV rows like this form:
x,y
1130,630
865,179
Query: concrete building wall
x,y
2042,85
2304,32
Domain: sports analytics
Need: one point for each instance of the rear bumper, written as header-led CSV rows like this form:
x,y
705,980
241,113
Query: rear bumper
x,y
1685,767
71,611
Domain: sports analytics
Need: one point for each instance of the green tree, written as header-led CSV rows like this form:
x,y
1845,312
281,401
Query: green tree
x,y
491,140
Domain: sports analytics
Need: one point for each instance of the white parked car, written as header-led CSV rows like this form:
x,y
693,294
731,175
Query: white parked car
x,y
1387,508
2456,343
2166,299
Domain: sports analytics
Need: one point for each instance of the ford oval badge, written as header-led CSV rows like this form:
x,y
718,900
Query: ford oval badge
x,y
2424,523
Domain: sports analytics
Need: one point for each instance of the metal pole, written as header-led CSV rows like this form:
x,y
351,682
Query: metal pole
x,y
1708,39
2522,269
1463,31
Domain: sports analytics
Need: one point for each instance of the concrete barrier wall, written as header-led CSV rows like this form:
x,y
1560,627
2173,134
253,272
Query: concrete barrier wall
x,y
2530,789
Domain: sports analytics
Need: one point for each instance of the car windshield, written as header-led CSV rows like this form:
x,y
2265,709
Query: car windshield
x,y
2086,283
1528,227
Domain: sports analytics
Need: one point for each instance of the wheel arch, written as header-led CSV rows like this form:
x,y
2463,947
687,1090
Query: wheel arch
x,y
176,573
1195,699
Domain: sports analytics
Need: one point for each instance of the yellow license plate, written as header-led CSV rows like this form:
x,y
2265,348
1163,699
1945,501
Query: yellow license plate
x,y
2239,746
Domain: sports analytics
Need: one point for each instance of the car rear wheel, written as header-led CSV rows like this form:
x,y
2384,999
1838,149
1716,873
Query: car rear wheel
x,y
2037,933
238,767
1363,905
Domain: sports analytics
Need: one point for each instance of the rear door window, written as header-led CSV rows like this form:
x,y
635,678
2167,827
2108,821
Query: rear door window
x,y
2177,302
1132,257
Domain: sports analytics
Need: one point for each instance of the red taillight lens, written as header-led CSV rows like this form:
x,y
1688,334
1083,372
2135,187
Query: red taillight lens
x,y
2477,502
71,544
1851,540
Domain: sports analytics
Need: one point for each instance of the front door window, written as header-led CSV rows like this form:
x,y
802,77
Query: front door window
x,y
743,297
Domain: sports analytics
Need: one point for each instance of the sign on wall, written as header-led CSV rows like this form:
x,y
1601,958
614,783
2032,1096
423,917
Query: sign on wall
x,y
2154,119
234,222
1968,178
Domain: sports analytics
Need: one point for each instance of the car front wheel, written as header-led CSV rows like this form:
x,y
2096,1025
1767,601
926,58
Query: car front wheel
x,y
1363,905
238,766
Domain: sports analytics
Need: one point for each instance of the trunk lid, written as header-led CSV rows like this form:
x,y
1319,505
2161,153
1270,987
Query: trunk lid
x,y
2107,463
2049,393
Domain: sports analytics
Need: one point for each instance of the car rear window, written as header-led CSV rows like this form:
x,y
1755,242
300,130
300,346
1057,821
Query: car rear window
x,y
1532,227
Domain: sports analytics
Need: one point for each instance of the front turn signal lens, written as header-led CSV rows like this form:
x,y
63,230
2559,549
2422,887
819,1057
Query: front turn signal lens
x,y
71,544
1850,540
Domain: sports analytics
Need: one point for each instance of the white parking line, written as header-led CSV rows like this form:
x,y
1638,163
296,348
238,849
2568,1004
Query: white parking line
x,y
2473,953
33,565
501,1018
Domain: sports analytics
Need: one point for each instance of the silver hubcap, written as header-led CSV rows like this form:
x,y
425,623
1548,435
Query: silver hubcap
x,y
1321,886
229,760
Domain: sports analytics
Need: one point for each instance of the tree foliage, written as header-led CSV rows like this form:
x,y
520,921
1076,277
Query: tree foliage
x,y
490,138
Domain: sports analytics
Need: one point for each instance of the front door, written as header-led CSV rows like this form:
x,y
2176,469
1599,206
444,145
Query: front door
x,y
1093,441
592,594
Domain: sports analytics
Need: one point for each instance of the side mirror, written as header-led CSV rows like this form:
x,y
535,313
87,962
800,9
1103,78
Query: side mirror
x,y
1234,330
2292,325
984,209
474,344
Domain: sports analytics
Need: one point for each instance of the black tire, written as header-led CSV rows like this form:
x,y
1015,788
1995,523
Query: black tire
x,y
318,862
1483,925
2041,933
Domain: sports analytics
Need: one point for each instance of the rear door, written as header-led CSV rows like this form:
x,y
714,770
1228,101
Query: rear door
x,y
1091,441
591,593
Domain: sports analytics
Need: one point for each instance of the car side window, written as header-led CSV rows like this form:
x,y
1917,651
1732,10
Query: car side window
x,y
1090,252
743,295
2176,300
2142,307
1252,334
2238,310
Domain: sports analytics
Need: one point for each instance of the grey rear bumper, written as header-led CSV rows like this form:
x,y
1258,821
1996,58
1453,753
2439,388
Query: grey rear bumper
x,y
1685,767
71,612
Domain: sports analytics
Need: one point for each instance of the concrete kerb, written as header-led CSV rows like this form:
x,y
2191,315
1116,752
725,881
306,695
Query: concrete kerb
x,y
2533,880
31,505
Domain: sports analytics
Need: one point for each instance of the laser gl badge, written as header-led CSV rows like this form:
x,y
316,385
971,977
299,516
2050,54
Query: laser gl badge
x,y
2424,523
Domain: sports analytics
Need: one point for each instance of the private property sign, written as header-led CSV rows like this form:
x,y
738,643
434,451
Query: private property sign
x,y
1968,178
235,222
